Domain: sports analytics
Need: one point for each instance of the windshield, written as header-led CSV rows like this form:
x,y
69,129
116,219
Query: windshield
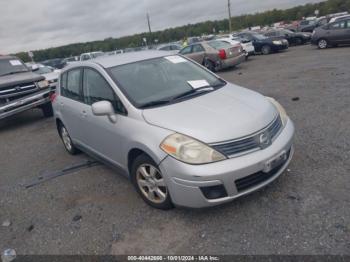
x,y
10,66
44,70
160,79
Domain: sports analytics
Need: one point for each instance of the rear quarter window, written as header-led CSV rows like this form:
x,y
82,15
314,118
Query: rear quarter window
x,y
71,84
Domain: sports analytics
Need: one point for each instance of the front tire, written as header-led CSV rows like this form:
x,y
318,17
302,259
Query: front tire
x,y
47,110
209,65
266,50
322,44
149,183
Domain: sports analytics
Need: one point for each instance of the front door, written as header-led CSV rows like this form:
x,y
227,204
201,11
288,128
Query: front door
x,y
100,135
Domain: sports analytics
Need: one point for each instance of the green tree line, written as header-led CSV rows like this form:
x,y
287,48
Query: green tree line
x,y
178,33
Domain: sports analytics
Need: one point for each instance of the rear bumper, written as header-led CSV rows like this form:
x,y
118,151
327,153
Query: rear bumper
x,y
24,103
230,62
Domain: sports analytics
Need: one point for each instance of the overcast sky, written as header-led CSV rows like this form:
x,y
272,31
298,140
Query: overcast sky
x,y
36,24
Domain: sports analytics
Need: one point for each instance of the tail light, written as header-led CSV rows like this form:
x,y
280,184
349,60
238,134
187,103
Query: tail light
x,y
53,97
222,54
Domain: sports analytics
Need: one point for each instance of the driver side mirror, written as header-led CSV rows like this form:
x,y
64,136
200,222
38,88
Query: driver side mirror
x,y
104,108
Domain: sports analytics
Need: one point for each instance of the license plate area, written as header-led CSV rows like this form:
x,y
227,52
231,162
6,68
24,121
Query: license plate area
x,y
275,162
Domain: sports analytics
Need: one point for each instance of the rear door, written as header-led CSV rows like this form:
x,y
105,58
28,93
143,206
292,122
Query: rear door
x,y
347,32
337,32
198,53
70,102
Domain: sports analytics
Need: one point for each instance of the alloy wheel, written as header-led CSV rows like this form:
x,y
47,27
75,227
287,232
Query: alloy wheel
x,y
151,183
66,139
322,44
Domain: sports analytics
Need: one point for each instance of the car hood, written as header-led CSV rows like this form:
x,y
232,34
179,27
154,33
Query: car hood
x,y
51,76
228,113
19,78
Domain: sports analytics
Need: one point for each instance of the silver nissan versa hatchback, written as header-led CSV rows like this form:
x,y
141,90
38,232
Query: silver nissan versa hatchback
x,y
183,135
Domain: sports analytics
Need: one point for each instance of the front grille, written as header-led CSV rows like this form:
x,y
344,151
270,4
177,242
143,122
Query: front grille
x,y
250,143
17,90
253,180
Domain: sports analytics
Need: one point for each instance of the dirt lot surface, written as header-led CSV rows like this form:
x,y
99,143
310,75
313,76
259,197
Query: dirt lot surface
x,y
96,211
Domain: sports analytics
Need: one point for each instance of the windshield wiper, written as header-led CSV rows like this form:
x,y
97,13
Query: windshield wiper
x,y
200,90
156,103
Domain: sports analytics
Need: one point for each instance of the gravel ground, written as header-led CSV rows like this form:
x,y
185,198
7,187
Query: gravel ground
x,y
95,211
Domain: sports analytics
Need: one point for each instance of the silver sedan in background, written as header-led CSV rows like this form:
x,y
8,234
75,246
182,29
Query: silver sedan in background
x,y
183,135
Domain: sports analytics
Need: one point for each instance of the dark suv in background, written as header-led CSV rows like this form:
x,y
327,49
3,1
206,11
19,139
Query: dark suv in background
x,y
21,89
333,34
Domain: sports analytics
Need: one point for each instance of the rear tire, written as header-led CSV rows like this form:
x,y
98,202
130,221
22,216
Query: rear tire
x,y
209,65
149,183
322,44
298,41
266,50
47,110
67,141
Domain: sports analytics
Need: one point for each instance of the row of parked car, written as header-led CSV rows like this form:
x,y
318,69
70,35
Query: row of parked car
x,y
25,86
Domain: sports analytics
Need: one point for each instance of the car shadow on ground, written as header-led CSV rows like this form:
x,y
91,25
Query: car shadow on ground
x,y
28,118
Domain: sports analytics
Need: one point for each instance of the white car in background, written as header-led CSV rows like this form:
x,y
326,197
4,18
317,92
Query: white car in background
x,y
50,74
91,55
248,47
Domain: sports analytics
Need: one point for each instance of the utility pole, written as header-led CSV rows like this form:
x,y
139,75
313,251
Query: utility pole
x,y
229,16
149,28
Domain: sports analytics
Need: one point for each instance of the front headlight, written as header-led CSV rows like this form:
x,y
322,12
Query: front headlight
x,y
189,150
277,42
43,84
280,109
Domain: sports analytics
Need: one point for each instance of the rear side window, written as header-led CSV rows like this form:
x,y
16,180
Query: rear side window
x,y
96,88
70,84
339,25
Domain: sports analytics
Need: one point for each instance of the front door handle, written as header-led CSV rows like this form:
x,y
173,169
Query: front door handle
x,y
83,113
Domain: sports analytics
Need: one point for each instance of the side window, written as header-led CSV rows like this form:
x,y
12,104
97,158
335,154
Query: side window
x,y
335,26
165,48
96,88
71,84
197,49
63,84
247,36
348,23
186,50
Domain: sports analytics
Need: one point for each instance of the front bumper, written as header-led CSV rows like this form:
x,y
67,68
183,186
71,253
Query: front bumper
x,y
233,61
25,103
185,181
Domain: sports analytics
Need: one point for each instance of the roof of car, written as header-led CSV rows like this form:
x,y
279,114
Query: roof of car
x,y
127,58
7,57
